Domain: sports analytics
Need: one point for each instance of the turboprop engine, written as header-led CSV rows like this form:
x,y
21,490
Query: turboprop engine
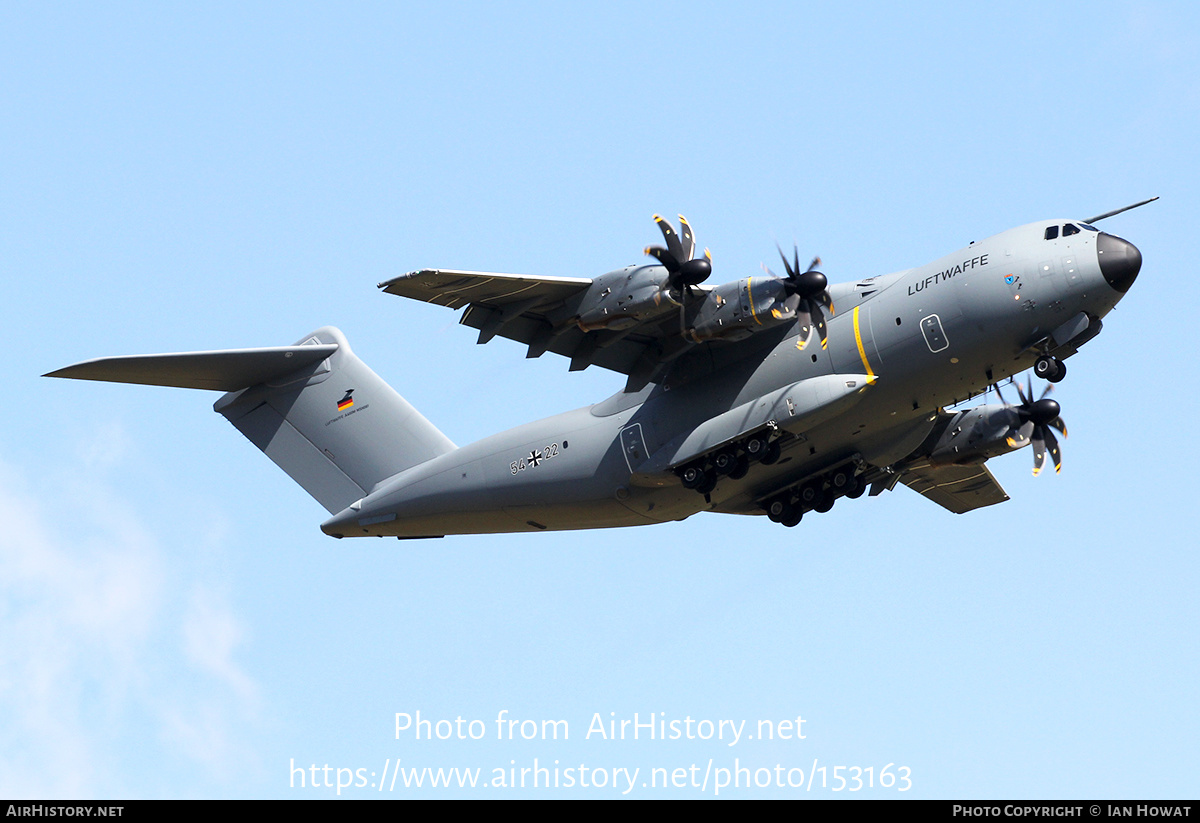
x,y
622,299
737,310
974,435
733,311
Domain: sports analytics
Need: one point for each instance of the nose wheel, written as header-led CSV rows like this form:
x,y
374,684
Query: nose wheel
x,y
1050,368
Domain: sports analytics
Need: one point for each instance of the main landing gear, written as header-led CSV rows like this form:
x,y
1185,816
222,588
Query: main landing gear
x,y
732,461
1049,367
816,495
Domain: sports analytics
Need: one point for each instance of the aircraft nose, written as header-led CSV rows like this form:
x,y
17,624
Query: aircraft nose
x,y
1120,261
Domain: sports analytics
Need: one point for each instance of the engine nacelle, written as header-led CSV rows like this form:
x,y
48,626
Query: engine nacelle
x,y
622,299
974,435
733,311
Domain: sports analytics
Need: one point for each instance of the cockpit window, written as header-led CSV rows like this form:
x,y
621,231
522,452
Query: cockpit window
x,y
1070,229
1051,232
1089,228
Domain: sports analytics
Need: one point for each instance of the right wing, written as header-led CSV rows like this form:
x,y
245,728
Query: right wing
x,y
957,488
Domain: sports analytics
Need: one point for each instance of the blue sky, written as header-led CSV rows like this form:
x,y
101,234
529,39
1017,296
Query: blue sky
x,y
174,624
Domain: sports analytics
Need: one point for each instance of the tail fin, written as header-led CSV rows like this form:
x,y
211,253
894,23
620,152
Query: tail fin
x,y
315,409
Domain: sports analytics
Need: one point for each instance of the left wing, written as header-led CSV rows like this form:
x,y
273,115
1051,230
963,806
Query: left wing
x,y
540,312
456,289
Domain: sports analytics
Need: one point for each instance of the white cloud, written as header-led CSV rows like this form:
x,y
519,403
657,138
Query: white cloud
x,y
97,619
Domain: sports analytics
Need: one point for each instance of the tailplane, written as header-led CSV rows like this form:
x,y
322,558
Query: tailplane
x,y
315,409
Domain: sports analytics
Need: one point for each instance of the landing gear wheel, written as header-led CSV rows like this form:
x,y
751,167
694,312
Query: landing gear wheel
x,y
692,477
724,463
793,519
710,483
780,509
810,495
739,470
1050,368
824,504
842,480
856,491
773,452
756,448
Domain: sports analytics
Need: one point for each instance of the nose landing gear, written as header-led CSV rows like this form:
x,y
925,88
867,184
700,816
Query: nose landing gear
x,y
1049,367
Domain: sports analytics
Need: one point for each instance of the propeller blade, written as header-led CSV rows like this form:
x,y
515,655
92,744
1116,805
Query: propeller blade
x,y
1025,401
664,256
1055,453
673,244
821,327
805,318
1059,424
689,241
1039,451
787,267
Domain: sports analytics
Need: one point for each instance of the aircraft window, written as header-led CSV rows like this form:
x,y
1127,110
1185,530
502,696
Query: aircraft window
x,y
1070,229
1089,228
1051,232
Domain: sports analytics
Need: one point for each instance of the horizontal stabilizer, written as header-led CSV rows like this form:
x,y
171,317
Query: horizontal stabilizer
x,y
314,408
228,370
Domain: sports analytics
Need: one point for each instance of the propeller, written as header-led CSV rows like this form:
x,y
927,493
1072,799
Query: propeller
x,y
683,271
807,293
1043,414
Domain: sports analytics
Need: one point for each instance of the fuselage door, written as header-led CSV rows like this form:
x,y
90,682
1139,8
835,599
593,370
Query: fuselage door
x,y
633,446
935,335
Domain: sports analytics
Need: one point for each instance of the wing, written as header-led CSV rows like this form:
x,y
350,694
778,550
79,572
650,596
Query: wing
x,y
957,488
456,289
541,313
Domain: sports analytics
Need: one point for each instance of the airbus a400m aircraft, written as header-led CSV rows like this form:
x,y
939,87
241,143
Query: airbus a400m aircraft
x,y
770,395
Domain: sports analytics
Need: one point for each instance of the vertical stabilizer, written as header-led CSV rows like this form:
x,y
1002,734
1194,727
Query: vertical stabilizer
x,y
335,427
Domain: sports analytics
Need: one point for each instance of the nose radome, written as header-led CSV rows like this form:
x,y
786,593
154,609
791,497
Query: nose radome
x,y
1120,261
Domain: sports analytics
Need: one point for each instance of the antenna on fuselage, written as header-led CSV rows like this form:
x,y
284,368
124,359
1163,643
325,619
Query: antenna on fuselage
x,y
1118,211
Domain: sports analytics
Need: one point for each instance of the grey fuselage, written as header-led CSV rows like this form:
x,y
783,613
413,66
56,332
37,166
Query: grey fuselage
x,y
930,337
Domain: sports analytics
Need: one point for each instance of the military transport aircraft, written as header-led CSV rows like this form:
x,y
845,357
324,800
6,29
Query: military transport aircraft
x,y
770,395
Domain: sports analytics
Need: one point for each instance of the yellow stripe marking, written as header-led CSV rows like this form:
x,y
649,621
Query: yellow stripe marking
x,y
858,339
750,294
